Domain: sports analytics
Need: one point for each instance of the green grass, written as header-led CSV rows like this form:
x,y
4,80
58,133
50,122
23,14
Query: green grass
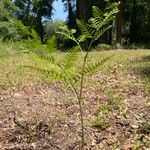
x,y
135,63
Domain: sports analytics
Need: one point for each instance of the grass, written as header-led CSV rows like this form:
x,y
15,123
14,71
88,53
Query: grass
x,y
114,93
124,63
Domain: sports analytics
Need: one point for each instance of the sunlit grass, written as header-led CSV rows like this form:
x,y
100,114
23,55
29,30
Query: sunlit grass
x,y
125,62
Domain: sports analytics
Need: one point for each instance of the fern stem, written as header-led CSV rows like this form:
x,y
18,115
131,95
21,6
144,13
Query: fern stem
x,y
80,102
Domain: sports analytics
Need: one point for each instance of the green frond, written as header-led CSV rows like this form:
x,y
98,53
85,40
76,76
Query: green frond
x,y
96,12
100,32
49,73
67,33
48,58
93,67
104,19
81,38
70,58
63,28
90,68
84,29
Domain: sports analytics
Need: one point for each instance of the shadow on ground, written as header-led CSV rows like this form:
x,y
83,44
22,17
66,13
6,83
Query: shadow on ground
x,y
142,66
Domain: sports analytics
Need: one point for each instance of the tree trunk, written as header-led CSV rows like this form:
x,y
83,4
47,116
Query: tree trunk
x,y
134,24
81,9
119,24
71,17
40,28
81,13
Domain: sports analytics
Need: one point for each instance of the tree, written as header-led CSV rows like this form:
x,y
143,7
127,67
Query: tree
x,y
119,24
70,8
10,27
137,21
42,9
33,12
24,11
81,9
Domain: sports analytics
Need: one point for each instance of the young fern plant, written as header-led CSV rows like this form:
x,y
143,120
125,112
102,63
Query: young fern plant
x,y
91,31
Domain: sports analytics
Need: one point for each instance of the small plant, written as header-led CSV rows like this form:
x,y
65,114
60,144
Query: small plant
x,y
115,100
100,121
66,70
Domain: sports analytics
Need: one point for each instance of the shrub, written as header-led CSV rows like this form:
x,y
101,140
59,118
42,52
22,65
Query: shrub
x,y
103,47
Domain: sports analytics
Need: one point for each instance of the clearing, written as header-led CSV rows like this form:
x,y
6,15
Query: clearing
x,y
37,113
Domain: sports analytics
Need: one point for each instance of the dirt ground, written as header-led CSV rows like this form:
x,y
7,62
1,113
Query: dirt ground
x,y
46,117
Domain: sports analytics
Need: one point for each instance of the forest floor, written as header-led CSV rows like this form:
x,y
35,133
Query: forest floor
x,y
39,114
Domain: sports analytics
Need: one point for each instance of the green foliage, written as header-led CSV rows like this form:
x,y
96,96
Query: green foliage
x,y
100,122
16,31
31,45
51,28
103,47
95,28
88,69
11,28
70,59
51,73
7,9
52,43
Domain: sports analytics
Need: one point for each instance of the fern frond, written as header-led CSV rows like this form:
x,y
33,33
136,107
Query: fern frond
x,y
50,73
70,58
48,58
67,33
102,20
84,29
96,12
81,38
99,33
91,68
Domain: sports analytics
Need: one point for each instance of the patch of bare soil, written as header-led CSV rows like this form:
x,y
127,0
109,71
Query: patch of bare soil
x,y
46,117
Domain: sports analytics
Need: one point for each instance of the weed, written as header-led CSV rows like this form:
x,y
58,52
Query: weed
x,y
100,122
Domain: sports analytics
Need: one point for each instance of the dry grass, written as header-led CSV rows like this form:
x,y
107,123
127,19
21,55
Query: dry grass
x,y
12,57
116,108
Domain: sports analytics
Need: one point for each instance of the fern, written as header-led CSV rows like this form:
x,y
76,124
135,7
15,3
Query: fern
x,y
70,59
97,13
100,19
67,33
49,58
67,72
50,73
84,29
89,69
99,33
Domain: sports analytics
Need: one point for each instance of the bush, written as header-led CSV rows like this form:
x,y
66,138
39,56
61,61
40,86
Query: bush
x,y
103,47
52,43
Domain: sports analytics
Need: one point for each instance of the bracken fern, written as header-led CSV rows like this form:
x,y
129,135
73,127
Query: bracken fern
x,y
92,31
